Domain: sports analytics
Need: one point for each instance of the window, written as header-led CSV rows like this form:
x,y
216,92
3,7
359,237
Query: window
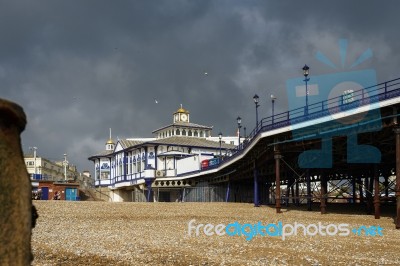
x,y
183,132
196,134
178,132
190,133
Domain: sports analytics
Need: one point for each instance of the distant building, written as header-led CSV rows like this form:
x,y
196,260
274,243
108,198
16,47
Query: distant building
x,y
132,169
85,179
42,169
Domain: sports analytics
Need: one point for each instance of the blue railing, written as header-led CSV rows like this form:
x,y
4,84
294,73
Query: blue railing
x,y
363,97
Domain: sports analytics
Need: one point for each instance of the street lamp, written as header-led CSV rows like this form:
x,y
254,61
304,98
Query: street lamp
x,y
256,98
34,160
220,144
273,98
306,79
239,121
65,166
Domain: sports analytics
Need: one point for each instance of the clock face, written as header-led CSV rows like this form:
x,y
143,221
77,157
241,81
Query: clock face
x,y
184,117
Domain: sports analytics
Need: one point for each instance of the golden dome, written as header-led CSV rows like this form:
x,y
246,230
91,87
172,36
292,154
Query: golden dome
x,y
110,141
181,110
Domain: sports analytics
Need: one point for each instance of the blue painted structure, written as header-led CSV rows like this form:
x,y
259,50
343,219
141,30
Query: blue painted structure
x,y
71,194
45,193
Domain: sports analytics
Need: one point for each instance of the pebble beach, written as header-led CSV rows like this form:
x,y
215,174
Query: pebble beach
x,y
105,233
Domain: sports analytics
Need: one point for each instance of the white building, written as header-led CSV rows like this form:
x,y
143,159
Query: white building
x,y
133,169
40,168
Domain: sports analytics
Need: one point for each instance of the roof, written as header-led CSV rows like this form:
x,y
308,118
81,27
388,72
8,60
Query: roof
x,y
101,154
175,140
191,141
125,143
184,124
174,153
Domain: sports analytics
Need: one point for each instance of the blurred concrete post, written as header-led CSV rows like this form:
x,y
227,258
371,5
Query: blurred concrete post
x,y
15,187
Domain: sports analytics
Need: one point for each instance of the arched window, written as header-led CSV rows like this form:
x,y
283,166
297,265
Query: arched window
x,y
201,134
183,132
178,132
190,133
196,134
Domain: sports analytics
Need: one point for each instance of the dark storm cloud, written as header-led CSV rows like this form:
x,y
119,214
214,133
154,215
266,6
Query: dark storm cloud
x,y
81,67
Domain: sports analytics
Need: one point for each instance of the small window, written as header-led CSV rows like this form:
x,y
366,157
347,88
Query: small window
x,y
178,132
190,133
183,132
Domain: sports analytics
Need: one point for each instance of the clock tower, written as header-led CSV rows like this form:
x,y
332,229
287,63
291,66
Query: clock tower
x,y
181,115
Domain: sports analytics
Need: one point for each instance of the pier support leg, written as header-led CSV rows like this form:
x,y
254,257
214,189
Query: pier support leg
x,y
297,193
308,179
354,188
287,194
228,191
293,193
377,203
277,157
397,188
256,199
323,194
368,194
361,190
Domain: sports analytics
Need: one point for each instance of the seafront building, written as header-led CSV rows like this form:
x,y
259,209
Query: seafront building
x,y
40,168
51,178
157,169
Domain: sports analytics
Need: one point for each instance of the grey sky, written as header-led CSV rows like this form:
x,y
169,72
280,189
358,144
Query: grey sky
x,y
81,67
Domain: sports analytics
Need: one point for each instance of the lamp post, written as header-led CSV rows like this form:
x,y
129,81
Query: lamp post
x,y
65,166
34,161
220,144
256,99
306,79
239,121
273,98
